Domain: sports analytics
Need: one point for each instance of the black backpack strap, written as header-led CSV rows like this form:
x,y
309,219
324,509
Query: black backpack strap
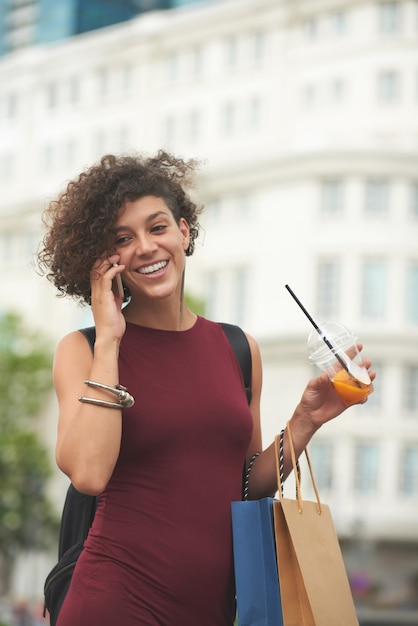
x,y
90,335
239,342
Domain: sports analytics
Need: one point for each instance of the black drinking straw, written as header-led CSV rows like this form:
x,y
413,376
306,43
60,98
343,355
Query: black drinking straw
x,y
318,329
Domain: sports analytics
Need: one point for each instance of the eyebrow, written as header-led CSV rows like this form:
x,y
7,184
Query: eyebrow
x,y
148,219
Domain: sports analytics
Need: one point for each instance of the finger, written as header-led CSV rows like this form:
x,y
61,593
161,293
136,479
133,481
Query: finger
x,y
366,363
107,261
101,266
321,381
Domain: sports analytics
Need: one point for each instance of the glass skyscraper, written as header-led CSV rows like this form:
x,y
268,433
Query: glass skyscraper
x,y
28,22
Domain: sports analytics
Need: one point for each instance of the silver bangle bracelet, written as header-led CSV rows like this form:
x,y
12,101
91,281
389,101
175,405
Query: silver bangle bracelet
x,y
105,403
125,398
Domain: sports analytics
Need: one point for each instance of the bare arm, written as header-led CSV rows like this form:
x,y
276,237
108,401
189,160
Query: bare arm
x,y
89,436
319,404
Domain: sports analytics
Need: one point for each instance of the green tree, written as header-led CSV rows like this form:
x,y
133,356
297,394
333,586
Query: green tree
x,y
195,304
27,519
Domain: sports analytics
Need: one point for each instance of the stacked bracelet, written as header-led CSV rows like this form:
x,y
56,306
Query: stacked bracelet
x,y
247,476
281,459
281,467
125,398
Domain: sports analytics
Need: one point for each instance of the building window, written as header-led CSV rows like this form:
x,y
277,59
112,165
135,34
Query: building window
x,y
197,62
69,152
170,130
328,292
339,22
51,95
172,68
239,286
49,157
412,294
389,17
244,203
337,90
7,167
374,289
100,141
410,395
388,86
228,118
214,209
231,52
11,106
311,29
414,200
409,471
377,197
193,126
258,47
73,89
321,454
332,200
30,246
213,295
127,78
366,468
123,137
103,82
309,96
254,113
8,249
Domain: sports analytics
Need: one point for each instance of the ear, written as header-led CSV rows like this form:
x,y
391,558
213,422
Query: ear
x,y
185,231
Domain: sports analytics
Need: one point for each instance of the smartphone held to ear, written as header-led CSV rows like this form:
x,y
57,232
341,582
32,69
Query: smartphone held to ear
x,y
117,286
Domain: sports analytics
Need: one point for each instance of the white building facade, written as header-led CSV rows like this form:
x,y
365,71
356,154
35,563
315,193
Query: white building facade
x,y
304,113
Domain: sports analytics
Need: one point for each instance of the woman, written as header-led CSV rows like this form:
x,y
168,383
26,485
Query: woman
x,y
167,467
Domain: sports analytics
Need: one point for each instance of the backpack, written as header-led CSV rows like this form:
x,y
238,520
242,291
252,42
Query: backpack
x,y
79,509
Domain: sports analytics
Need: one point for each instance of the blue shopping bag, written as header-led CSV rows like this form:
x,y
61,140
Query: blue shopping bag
x,y
256,577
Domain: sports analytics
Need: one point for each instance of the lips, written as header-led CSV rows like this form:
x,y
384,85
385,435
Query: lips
x,y
150,269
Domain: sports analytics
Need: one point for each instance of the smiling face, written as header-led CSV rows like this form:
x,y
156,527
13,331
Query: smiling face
x,y
152,247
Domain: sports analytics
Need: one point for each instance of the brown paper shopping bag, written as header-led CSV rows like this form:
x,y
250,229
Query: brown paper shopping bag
x,y
313,581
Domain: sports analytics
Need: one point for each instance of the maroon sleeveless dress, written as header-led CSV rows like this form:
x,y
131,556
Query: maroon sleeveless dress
x,y
160,549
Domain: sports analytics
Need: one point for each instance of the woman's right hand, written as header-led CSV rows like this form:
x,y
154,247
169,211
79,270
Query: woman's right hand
x,y
106,305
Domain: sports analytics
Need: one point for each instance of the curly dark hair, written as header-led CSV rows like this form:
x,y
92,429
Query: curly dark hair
x,y
80,221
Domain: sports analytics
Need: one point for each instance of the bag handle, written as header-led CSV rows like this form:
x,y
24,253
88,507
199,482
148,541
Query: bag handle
x,y
296,473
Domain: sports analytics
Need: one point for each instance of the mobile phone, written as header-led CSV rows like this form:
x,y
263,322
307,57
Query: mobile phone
x,y
117,286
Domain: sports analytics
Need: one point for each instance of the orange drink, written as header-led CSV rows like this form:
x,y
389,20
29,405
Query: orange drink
x,y
350,389
336,352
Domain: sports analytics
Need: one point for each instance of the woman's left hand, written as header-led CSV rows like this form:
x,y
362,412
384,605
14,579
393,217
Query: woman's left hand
x,y
321,401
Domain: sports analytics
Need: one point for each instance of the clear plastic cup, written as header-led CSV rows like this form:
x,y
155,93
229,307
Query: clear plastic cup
x,y
348,376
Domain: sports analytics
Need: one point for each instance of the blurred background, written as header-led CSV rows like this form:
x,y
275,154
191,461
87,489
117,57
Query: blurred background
x,y
304,115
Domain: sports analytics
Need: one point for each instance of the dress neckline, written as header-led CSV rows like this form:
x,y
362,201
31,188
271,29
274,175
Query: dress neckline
x,y
147,329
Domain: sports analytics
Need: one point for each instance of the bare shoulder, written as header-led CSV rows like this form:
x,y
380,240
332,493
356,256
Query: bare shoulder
x,y
254,347
73,350
74,340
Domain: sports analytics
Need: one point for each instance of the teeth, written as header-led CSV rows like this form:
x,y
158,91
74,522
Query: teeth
x,y
152,268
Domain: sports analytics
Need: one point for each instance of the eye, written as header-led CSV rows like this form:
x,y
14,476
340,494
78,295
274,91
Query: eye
x,y
121,240
158,228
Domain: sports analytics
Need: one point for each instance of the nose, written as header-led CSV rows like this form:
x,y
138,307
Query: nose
x,y
146,245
